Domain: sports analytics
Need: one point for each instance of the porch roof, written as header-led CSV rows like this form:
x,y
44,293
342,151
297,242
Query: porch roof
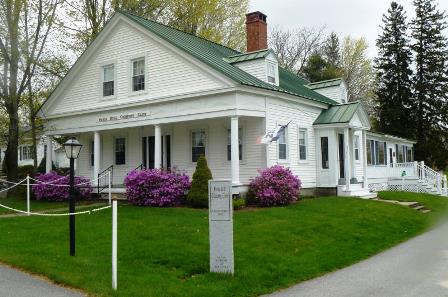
x,y
338,114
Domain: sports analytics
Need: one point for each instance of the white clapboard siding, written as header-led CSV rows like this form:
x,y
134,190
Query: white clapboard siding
x,y
167,73
301,116
255,68
337,93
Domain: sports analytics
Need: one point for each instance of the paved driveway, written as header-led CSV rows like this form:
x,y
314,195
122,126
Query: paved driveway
x,y
14,283
416,268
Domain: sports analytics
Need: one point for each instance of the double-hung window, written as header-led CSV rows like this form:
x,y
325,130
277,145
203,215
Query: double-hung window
x,y
197,144
26,152
282,145
240,144
120,151
271,73
303,144
376,152
138,75
108,80
356,147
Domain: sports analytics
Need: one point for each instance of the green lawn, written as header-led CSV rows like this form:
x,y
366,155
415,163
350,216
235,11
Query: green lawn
x,y
164,252
20,203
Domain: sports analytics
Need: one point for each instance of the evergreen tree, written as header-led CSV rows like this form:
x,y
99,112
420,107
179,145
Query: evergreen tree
x,y
198,194
317,69
332,50
393,94
430,82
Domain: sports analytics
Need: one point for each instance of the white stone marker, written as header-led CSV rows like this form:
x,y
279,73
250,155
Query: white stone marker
x,y
221,226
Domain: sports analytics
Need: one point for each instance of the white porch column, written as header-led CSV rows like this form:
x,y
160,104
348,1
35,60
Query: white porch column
x,y
96,155
347,165
234,150
49,156
157,147
352,152
364,159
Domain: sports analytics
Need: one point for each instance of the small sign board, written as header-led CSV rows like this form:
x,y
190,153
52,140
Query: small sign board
x,y
221,226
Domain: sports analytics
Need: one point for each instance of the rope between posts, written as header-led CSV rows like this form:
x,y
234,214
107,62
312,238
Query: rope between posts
x,y
56,214
13,186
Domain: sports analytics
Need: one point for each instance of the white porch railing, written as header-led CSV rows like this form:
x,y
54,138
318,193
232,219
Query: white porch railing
x,y
424,174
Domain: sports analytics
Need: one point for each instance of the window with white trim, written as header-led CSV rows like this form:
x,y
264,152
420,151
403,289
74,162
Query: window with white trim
x,y
138,75
108,80
303,144
240,144
356,147
198,142
26,152
271,73
376,152
283,145
120,151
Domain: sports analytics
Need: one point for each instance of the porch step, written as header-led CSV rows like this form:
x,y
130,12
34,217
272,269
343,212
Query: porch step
x,y
411,204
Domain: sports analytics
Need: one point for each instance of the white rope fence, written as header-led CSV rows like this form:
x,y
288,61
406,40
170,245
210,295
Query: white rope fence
x,y
112,204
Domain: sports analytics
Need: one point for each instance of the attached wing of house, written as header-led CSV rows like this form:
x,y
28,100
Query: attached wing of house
x,y
144,95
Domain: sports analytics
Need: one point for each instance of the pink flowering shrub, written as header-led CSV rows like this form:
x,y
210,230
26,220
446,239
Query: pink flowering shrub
x,y
274,186
155,187
58,189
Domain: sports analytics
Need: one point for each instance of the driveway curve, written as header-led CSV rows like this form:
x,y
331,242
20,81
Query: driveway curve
x,y
19,284
416,268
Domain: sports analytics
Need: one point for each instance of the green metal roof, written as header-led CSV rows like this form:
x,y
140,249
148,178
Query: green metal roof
x,y
217,56
325,83
336,114
248,56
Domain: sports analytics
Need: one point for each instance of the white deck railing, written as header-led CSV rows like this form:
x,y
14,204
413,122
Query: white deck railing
x,y
425,174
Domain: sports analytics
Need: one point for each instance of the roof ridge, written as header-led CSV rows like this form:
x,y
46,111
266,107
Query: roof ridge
x,y
326,80
249,53
159,23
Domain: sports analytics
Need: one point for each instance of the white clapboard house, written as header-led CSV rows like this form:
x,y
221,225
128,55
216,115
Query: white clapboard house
x,y
144,95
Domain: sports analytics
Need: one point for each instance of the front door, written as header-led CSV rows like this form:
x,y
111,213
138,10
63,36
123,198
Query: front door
x,y
148,148
341,156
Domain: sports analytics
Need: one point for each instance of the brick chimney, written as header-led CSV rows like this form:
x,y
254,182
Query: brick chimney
x,y
256,29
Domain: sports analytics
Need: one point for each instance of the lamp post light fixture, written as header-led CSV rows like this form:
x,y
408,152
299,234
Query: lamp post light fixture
x,y
72,148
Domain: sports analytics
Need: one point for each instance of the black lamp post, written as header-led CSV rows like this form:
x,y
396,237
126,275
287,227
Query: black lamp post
x,y
72,148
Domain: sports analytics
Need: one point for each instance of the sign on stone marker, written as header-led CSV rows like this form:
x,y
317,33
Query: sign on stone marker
x,y
221,226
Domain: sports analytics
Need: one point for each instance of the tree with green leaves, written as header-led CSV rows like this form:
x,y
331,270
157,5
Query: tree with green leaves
x,y
331,51
221,21
393,64
357,70
24,33
317,69
430,81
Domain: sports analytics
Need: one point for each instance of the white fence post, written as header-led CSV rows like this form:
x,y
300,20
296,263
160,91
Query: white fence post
x,y
416,169
114,244
110,187
422,165
28,194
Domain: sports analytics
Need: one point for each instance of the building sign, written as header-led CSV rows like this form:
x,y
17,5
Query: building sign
x,y
220,204
123,117
221,226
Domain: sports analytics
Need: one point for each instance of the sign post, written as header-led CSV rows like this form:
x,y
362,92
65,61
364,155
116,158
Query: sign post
x,y
221,226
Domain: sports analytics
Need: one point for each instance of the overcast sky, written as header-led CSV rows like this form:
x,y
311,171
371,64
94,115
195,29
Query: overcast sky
x,y
358,18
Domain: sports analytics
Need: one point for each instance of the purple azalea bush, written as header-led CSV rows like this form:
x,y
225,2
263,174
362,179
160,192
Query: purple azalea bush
x,y
54,192
156,187
274,186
